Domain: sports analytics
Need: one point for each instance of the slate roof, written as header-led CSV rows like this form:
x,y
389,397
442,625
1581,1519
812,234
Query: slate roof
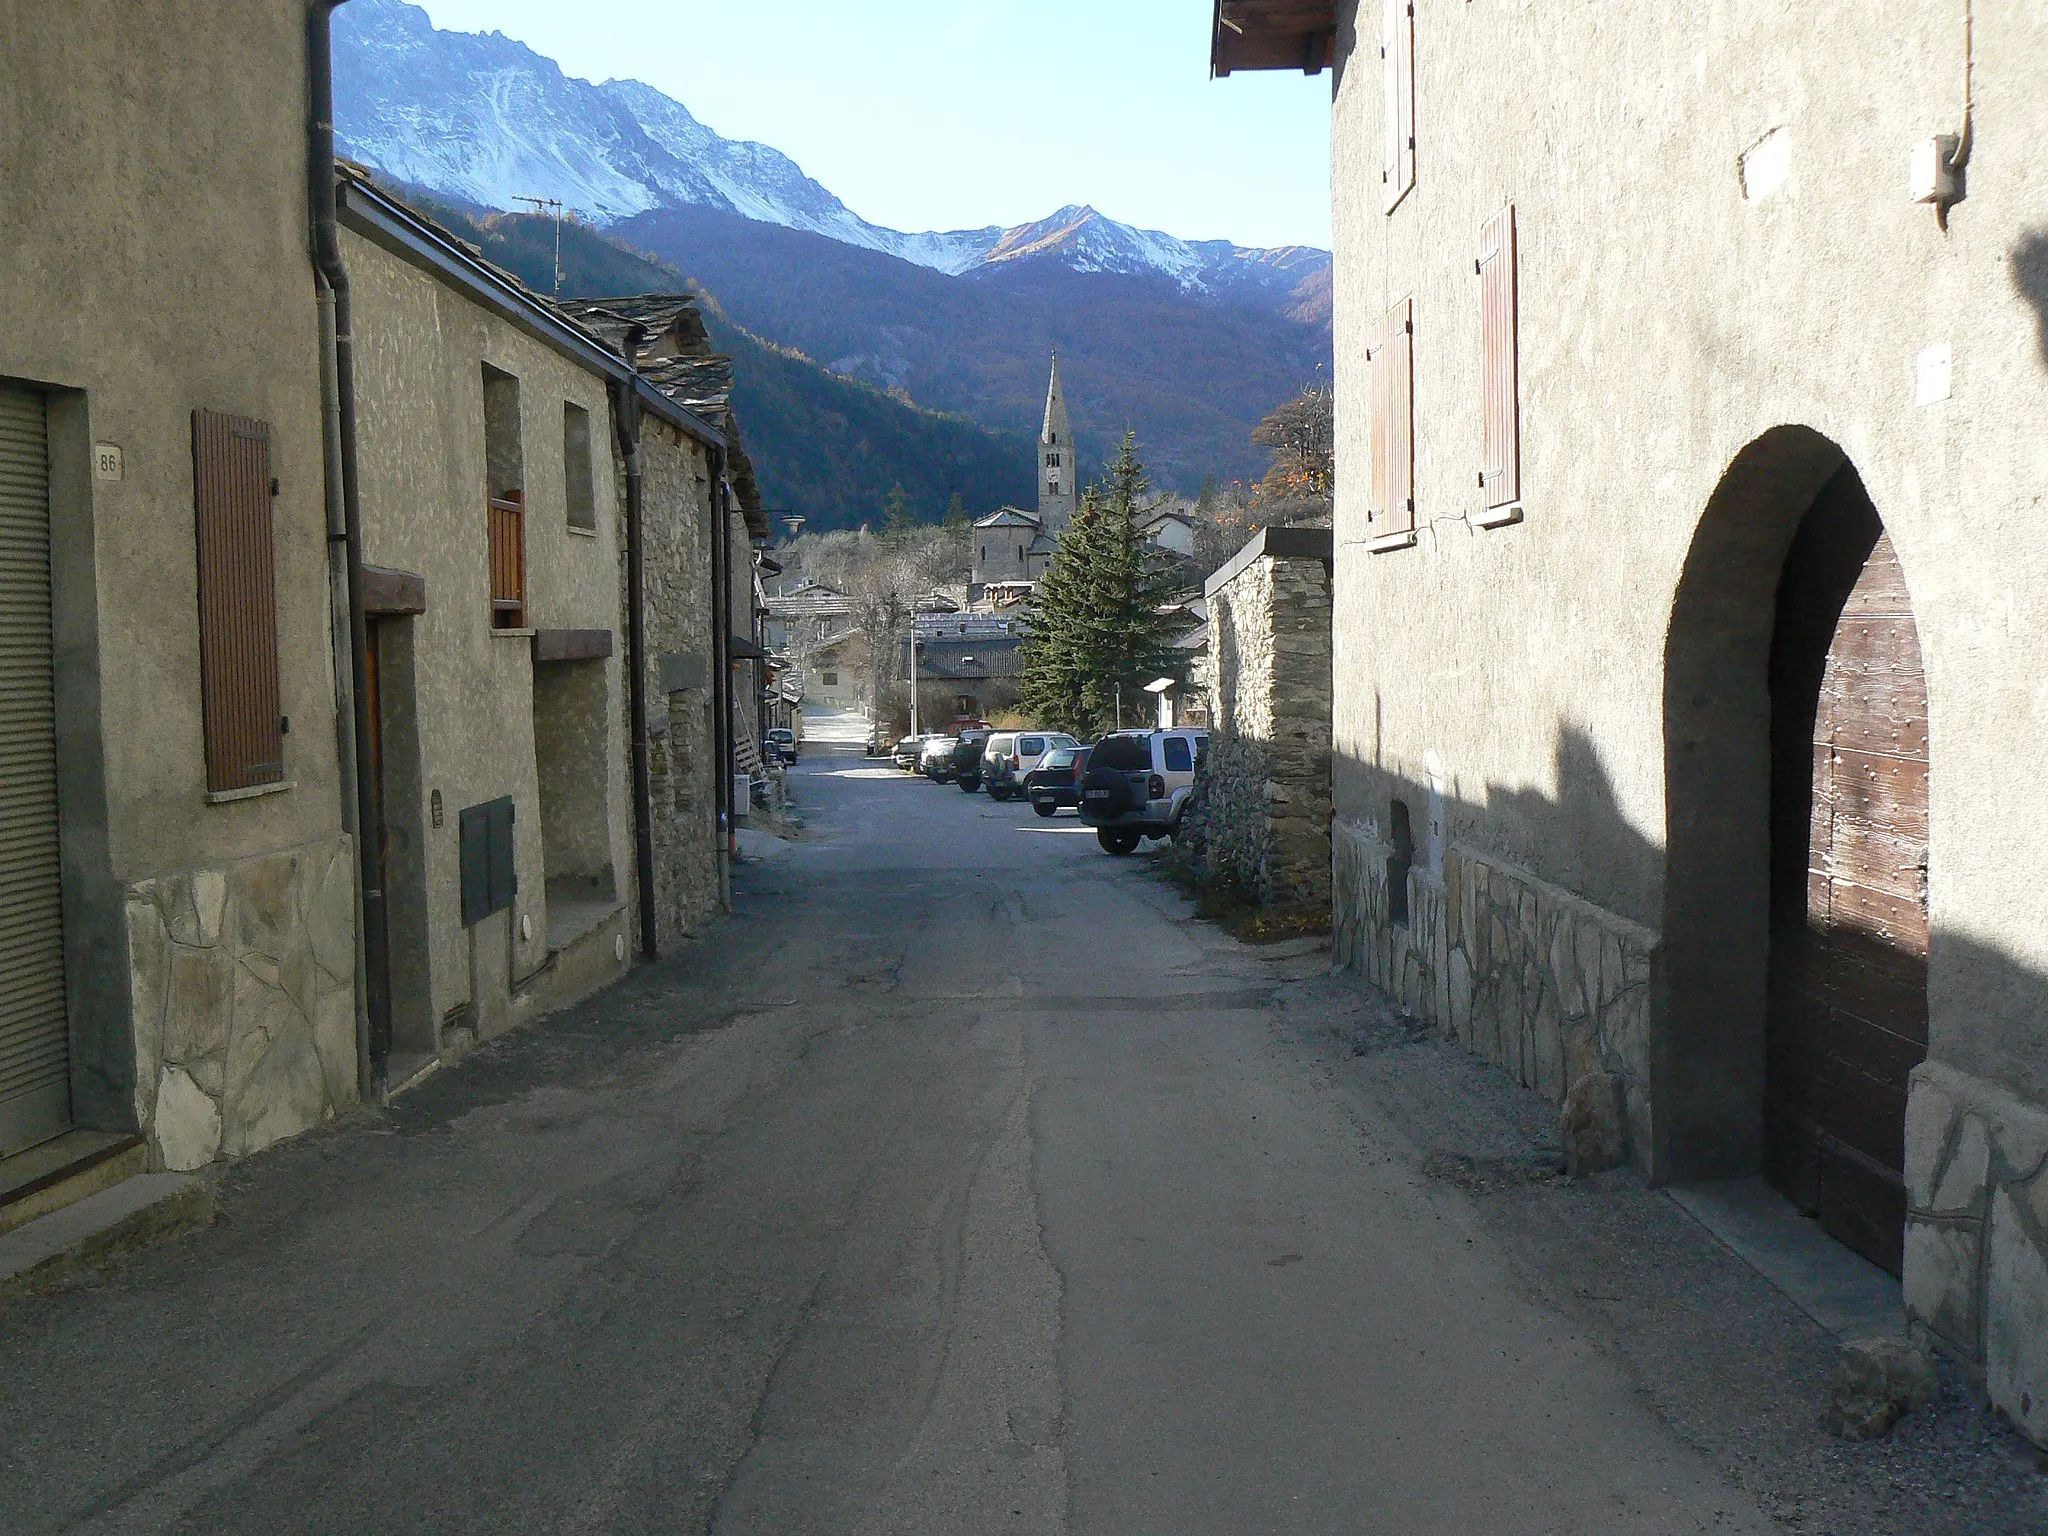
x,y
969,658
1008,517
675,356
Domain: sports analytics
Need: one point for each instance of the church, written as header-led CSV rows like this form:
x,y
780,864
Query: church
x,y
1012,546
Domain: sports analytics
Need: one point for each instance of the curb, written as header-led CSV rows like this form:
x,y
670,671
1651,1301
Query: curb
x,y
137,1213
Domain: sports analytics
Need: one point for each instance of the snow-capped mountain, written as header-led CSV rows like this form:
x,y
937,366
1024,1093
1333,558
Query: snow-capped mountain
x,y
485,118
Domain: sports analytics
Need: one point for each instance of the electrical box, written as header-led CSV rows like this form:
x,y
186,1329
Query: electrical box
x,y
1931,171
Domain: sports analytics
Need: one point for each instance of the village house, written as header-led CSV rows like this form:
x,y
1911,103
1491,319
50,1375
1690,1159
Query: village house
x,y
177,886
1687,660
312,540
496,531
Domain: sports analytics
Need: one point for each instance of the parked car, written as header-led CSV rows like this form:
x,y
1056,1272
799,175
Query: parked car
x,y
935,758
968,752
1137,785
1013,754
783,743
1056,781
906,752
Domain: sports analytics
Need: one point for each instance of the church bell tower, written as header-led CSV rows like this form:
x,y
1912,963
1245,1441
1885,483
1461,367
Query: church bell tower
x,y
1058,473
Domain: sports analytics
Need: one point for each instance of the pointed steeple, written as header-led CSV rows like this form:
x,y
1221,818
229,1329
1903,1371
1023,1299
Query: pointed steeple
x,y
1058,473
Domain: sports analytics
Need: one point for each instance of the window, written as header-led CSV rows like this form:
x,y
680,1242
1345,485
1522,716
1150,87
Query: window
x,y
238,678
580,482
1390,503
1020,551
1030,746
1124,754
829,679
1400,859
505,470
984,554
1397,73
1500,468
1179,759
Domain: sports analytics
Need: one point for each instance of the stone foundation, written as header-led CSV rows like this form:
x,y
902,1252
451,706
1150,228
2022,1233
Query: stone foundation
x,y
1977,1232
1525,974
243,987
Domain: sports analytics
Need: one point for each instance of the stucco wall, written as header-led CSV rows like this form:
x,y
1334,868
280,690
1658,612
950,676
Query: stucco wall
x,y
154,226
422,347
1667,321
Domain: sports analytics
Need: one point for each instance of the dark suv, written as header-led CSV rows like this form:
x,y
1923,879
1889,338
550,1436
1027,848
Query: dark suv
x,y
1056,781
967,755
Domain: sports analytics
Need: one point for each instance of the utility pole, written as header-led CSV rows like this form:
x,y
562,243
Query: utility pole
x,y
550,205
913,674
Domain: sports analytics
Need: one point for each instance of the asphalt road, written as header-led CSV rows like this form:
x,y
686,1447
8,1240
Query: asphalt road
x,y
957,1184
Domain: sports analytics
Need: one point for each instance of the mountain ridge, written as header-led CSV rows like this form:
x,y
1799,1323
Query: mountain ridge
x,y
487,118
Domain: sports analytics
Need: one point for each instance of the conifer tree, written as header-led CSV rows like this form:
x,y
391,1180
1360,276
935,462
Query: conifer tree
x,y
1097,633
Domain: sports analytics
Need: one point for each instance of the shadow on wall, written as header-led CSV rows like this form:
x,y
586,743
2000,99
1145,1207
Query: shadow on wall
x,y
2030,276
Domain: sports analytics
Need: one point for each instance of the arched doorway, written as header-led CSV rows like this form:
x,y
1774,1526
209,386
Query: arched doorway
x,y
1790,985
1847,1012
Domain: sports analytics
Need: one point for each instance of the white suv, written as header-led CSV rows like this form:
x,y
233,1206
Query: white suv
x,y
1012,754
1138,783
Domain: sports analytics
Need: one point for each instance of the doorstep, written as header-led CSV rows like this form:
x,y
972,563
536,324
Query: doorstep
x,y
1842,1291
65,1170
135,1213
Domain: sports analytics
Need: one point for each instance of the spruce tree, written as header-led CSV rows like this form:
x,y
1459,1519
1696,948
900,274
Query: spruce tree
x,y
1097,634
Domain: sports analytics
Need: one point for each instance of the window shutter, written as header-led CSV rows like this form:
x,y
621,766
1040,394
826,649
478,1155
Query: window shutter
x,y
1397,72
489,877
1398,357
232,498
1500,471
1391,504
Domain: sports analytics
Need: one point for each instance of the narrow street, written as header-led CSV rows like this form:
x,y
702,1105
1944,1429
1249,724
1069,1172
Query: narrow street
x,y
961,1182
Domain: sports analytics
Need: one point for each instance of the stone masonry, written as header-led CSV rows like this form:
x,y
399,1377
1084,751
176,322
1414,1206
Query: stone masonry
x,y
1266,810
679,700
1525,974
1977,1232
243,987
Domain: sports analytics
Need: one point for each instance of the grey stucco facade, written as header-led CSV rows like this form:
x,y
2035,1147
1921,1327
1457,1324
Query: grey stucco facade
x,y
1725,297
471,711
155,224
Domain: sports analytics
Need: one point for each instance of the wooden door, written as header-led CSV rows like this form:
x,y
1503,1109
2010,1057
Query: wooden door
x,y
1848,1018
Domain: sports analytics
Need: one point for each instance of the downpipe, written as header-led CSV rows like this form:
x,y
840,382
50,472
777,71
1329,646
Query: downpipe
x,y
721,672
626,423
337,311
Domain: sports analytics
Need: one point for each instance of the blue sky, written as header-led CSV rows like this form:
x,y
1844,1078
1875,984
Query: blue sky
x,y
951,114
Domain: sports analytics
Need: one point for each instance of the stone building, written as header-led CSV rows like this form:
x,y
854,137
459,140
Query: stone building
x,y
493,515
177,893
1691,382
686,476
1265,809
1012,545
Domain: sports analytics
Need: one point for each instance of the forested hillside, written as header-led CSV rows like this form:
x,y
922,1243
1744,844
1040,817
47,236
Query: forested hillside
x,y
831,448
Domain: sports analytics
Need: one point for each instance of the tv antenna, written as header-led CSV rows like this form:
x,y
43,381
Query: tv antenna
x,y
550,205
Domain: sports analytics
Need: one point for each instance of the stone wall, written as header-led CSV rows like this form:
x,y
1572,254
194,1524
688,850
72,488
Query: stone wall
x,y
1977,1232
243,987
676,572
1266,796
1523,973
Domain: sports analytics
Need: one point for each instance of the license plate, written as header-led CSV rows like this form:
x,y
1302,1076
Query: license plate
x,y
1096,794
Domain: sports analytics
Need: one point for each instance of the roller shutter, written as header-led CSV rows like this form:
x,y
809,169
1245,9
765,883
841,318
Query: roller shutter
x,y
35,1096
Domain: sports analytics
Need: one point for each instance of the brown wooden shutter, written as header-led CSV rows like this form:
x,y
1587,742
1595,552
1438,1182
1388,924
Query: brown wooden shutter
x,y
508,560
1377,499
1500,469
237,602
1391,505
1397,73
